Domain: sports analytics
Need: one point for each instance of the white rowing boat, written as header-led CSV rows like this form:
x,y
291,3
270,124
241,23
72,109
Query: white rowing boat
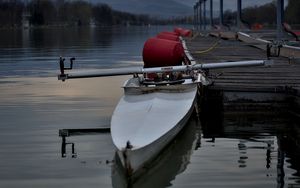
x,y
172,161
148,118
152,113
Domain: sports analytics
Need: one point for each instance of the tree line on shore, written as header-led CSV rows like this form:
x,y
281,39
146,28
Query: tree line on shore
x,y
266,14
69,13
79,12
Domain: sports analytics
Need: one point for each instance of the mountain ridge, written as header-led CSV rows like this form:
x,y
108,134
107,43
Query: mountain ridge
x,y
157,8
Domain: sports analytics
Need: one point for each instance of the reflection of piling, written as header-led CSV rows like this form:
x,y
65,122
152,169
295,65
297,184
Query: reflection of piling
x,y
63,133
26,20
64,146
280,166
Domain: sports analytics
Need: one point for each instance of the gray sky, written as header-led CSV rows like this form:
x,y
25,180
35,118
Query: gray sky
x,y
230,4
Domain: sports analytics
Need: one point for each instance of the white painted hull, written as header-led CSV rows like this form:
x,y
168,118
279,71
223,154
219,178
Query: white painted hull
x,y
144,124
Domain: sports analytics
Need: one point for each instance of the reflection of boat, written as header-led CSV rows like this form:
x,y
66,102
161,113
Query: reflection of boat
x,y
172,161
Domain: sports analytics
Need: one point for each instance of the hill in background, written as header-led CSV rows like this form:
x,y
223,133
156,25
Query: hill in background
x,y
158,8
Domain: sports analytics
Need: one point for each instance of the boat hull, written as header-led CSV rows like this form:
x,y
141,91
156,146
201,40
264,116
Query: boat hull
x,y
136,161
161,116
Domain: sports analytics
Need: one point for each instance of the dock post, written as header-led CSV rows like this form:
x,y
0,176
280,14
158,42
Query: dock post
x,y
200,14
239,14
194,18
221,13
211,14
197,16
280,18
204,14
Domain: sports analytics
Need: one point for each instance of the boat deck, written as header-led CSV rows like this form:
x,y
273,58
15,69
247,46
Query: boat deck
x,y
275,83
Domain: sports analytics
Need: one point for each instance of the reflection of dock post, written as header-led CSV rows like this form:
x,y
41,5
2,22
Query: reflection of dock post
x,y
268,156
26,20
63,133
280,165
64,144
63,147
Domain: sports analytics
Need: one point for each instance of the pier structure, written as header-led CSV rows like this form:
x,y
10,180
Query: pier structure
x,y
271,87
200,14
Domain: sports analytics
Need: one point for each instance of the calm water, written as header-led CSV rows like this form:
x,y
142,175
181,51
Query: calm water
x,y
232,150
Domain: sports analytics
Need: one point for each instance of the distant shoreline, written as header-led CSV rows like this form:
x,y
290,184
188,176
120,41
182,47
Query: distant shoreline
x,y
85,26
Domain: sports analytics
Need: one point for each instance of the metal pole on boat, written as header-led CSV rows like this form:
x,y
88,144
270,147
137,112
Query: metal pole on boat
x,y
233,64
221,13
239,14
140,70
280,17
211,14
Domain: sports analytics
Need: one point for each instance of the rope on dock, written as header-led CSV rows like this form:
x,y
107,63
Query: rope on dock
x,y
210,48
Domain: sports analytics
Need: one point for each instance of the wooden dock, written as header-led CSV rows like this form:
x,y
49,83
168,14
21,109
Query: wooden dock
x,y
267,86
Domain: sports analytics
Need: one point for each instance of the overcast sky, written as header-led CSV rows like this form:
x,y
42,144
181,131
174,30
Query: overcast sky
x,y
229,4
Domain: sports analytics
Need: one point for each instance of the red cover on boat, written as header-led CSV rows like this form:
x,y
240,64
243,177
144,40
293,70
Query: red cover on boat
x,y
168,36
183,32
161,52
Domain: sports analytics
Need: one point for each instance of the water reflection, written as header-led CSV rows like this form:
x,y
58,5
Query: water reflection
x,y
170,163
65,133
35,52
62,38
64,145
277,135
11,38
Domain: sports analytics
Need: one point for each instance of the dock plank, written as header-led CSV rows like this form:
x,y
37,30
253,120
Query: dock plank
x,y
208,49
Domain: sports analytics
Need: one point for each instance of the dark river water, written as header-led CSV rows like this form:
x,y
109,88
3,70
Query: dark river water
x,y
227,150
